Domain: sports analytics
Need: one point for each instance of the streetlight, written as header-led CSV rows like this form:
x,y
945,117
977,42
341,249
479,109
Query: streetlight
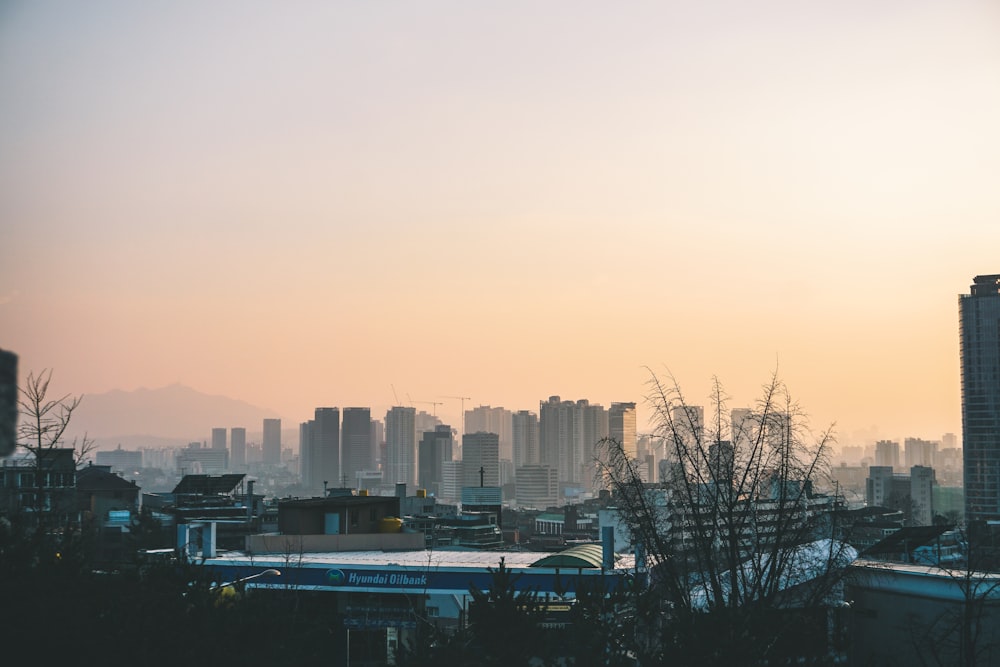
x,y
270,572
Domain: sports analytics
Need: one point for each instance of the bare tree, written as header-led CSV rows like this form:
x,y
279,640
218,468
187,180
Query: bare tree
x,y
733,532
42,431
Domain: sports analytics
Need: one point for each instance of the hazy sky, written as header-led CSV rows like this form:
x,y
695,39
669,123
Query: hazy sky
x,y
301,204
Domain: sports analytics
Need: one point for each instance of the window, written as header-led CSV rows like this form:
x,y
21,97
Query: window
x,y
354,517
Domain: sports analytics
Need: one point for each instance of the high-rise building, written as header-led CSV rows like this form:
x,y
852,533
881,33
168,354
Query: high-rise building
x,y
568,435
887,453
481,459
621,427
920,452
320,450
272,441
400,465
238,447
979,340
486,419
536,486
436,447
306,452
219,439
524,437
357,453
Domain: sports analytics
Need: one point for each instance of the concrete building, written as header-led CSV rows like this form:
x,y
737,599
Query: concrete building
x,y
320,450
913,494
272,442
198,460
120,460
238,447
920,452
536,486
219,439
436,447
486,419
979,338
887,453
481,459
401,446
357,453
568,435
524,437
621,427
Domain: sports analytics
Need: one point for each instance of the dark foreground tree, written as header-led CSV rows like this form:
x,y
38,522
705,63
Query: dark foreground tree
x,y
741,565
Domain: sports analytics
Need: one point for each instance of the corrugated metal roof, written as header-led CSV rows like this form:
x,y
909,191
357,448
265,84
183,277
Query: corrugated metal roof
x,y
582,555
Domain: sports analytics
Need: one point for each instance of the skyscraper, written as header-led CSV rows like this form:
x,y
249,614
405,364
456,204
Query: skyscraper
x,y
979,342
219,439
400,465
272,441
436,447
237,447
568,435
487,419
524,434
621,427
320,450
481,459
356,446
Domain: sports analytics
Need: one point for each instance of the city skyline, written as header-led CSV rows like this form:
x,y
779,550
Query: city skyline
x,y
339,205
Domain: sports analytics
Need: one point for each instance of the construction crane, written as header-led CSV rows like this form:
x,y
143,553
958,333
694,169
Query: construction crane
x,y
434,403
463,399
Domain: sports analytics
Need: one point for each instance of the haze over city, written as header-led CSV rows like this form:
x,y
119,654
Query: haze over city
x,y
369,204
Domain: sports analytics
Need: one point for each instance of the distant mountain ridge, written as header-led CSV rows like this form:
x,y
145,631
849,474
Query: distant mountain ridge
x,y
175,414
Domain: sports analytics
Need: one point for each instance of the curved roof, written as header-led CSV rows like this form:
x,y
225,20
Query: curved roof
x,y
582,555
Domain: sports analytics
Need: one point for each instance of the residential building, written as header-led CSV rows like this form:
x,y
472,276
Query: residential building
x,y
536,486
481,459
320,450
913,494
979,339
120,460
436,447
238,447
401,446
524,437
486,419
272,441
568,435
920,452
219,439
621,427
887,453
357,453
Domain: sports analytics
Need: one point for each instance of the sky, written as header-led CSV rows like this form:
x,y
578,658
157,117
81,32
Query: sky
x,y
342,203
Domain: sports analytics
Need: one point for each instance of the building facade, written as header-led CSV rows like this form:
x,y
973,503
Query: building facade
x,y
272,441
979,340
357,452
401,446
238,447
481,459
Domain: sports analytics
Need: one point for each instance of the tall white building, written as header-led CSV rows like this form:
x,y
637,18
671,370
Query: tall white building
x,y
621,427
524,434
401,446
237,448
272,441
481,459
569,432
486,419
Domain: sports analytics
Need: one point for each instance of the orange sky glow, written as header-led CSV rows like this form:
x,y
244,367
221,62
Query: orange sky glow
x,y
340,204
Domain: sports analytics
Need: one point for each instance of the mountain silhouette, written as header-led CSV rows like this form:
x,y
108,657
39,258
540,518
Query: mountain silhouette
x,y
175,414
